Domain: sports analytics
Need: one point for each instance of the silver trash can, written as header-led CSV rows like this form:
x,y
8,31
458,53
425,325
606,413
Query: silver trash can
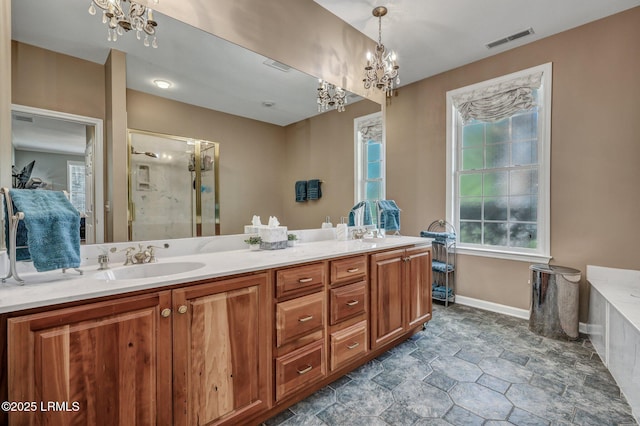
x,y
554,301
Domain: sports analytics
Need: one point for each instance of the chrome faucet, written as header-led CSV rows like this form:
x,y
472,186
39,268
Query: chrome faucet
x,y
144,255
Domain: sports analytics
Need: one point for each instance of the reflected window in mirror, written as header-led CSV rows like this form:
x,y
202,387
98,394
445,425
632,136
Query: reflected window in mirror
x,y
370,158
76,184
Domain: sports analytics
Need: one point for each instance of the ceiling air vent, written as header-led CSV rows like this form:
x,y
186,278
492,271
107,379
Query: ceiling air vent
x,y
507,39
277,65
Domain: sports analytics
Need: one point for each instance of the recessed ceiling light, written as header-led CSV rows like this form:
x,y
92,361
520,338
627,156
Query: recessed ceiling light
x,y
268,104
163,84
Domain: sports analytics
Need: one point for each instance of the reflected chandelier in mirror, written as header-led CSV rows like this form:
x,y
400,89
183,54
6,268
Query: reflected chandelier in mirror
x,y
137,17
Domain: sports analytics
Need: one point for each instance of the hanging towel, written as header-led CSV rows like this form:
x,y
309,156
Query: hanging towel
x,y
313,189
52,226
301,191
389,215
360,214
22,253
439,237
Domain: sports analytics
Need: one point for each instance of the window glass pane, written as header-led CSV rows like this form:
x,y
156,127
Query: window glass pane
x,y
470,185
472,158
498,131
524,208
525,126
496,208
471,232
495,234
524,235
374,151
373,190
497,155
524,153
472,135
496,183
524,182
471,208
373,170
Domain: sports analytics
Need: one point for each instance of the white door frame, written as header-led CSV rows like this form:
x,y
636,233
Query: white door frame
x,y
98,160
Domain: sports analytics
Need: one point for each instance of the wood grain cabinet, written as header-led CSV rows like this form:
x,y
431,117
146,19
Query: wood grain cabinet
x,y
112,359
198,355
400,293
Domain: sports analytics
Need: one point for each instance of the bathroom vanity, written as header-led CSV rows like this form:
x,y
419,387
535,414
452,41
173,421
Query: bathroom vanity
x,y
236,340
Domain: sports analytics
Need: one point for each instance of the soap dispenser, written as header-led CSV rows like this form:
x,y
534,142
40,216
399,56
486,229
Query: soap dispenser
x,y
327,223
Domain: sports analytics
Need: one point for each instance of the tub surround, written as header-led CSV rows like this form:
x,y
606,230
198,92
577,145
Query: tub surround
x,y
222,256
614,326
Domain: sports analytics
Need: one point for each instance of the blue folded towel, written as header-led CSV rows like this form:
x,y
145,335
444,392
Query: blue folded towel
x,y
389,215
441,292
440,237
301,191
360,214
313,189
436,265
52,226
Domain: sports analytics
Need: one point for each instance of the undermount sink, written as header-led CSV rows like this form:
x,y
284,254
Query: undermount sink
x,y
147,270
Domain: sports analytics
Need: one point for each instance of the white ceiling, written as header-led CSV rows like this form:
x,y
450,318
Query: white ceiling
x,y
429,37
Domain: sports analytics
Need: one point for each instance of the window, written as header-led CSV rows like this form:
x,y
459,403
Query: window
x,y
370,158
76,180
498,143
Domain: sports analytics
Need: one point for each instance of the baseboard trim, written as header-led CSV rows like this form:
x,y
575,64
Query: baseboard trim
x,y
493,307
504,309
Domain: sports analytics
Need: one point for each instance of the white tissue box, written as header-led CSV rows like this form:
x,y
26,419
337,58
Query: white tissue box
x,y
253,229
273,235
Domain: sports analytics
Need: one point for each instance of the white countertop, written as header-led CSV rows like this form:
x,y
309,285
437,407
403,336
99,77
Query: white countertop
x,y
620,287
55,287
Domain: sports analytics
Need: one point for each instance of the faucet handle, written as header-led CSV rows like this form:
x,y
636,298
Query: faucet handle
x,y
152,253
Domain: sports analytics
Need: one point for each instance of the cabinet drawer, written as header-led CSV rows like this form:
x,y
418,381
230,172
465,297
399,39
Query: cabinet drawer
x,y
299,279
347,301
299,368
352,267
348,344
297,317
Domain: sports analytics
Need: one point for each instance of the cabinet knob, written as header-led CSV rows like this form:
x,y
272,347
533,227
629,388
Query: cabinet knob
x,y
182,309
165,313
305,370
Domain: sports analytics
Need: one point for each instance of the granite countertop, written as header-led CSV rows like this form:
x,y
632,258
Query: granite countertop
x,y
55,287
620,287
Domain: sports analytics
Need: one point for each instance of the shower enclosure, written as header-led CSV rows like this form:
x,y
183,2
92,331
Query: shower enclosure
x,y
173,187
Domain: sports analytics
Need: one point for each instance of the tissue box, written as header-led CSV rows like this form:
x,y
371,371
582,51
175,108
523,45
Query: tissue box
x,y
273,238
252,229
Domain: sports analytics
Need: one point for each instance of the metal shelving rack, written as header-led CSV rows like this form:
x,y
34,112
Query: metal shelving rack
x,y
444,260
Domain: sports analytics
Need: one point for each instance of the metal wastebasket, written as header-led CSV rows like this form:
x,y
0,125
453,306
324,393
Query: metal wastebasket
x,y
554,301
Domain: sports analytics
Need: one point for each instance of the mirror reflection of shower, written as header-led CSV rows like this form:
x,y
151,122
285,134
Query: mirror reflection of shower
x,y
173,187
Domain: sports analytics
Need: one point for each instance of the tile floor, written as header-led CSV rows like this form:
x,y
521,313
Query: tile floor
x,y
471,367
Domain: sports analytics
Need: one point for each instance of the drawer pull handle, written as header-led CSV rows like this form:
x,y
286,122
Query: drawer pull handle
x,y
352,303
305,319
306,369
353,345
305,280
352,270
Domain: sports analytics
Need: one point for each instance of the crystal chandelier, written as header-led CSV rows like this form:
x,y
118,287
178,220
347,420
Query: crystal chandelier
x,y
137,17
330,96
382,69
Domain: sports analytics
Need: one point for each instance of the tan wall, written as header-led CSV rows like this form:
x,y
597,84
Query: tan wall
x,y
322,147
252,154
49,80
594,153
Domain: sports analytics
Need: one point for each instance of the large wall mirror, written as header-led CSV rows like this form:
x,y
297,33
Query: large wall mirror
x,y
262,114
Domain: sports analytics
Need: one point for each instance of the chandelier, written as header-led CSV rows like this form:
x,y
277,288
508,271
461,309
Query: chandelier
x,y
137,17
382,69
330,96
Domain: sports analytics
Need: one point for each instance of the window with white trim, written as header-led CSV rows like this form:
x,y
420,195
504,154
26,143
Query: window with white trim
x,y
369,158
498,144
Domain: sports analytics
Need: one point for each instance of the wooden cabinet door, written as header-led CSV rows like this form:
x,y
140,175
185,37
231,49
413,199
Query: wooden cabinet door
x,y
106,363
221,351
387,297
418,262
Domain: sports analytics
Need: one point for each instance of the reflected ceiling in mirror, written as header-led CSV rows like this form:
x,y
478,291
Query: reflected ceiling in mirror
x,y
204,70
